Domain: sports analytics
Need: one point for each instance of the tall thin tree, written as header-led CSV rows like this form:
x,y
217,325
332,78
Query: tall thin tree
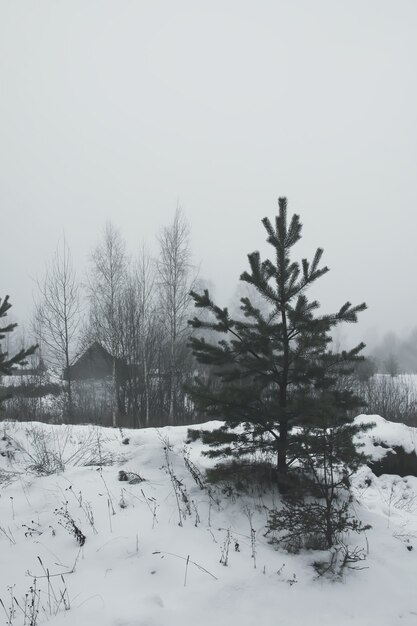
x,y
106,282
176,279
58,314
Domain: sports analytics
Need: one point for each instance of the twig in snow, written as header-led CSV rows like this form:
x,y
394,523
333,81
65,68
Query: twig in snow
x,y
186,570
183,558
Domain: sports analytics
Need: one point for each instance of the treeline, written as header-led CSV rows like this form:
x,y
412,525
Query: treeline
x,y
137,309
394,355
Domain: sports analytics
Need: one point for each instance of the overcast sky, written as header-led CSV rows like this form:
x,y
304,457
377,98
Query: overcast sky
x,y
118,110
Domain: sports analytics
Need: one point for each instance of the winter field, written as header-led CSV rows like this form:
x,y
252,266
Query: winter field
x,y
163,548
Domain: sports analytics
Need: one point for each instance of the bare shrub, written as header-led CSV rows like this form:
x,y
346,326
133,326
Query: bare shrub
x,y
394,398
46,451
45,460
66,521
339,559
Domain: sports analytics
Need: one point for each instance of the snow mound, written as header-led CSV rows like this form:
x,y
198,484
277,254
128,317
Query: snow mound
x,y
385,436
168,551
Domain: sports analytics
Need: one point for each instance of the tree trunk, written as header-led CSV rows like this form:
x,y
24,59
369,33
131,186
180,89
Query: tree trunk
x,y
329,525
68,411
171,383
70,414
146,389
282,447
114,396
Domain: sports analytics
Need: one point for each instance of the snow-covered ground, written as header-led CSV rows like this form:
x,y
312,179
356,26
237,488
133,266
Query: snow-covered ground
x,y
132,569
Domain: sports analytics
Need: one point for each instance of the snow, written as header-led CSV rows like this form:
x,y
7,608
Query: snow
x,y
391,434
132,569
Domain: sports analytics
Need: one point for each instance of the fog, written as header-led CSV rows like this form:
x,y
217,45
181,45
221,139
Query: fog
x,y
122,110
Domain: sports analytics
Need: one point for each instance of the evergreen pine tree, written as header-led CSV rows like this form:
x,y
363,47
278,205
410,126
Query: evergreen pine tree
x,y
272,370
8,363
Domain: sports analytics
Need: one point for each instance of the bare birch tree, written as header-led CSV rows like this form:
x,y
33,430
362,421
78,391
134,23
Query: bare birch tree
x,y
148,327
107,281
175,283
141,338
58,314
